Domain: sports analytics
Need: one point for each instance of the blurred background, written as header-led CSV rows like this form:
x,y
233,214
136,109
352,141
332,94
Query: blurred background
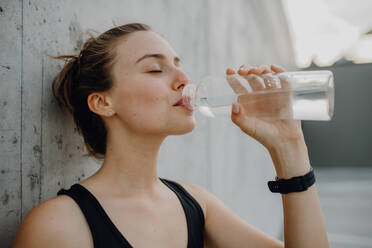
x,y
336,35
41,152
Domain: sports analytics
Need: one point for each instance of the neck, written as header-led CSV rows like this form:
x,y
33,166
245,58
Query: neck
x,y
130,165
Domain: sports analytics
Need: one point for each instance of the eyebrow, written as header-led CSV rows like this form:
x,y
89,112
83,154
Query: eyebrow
x,y
158,56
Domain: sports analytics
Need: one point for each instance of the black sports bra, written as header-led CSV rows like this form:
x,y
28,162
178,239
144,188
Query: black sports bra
x,y
104,232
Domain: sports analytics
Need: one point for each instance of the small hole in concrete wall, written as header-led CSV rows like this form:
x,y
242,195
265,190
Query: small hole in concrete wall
x,y
1,10
59,141
5,198
37,151
5,66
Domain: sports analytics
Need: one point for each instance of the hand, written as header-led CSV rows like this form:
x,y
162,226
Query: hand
x,y
270,133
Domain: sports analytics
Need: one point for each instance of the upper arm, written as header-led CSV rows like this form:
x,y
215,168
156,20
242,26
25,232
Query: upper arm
x,y
223,228
45,226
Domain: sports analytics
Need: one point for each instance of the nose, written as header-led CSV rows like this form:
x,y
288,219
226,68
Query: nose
x,y
181,80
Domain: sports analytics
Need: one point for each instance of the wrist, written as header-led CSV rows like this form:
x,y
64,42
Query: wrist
x,y
290,159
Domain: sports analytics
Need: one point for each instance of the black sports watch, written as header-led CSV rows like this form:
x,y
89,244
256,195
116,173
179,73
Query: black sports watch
x,y
294,184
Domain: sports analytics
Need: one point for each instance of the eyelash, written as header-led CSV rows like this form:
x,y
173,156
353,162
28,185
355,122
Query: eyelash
x,y
155,71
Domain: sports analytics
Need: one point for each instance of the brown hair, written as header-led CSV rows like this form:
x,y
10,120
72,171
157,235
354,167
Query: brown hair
x,y
89,72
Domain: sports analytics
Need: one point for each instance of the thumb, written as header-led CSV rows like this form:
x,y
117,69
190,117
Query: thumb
x,y
235,108
237,113
239,117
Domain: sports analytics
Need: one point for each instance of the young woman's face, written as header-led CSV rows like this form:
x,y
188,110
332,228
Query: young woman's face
x,y
148,82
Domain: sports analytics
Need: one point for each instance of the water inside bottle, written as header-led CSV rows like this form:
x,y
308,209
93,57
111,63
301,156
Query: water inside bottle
x,y
297,95
315,105
303,104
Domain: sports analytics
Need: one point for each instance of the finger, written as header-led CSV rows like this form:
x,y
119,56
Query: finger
x,y
258,70
282,80
230,71
235,108
271,80
239,117
255,70
250,74
244,69
263,69
236,84
277,69
256,82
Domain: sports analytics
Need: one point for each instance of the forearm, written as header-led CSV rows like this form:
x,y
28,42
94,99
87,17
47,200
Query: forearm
x,y
303,219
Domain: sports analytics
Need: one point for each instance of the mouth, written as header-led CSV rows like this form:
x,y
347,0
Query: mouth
x,y
185,103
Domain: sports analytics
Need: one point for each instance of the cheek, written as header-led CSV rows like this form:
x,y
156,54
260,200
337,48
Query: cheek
x,y
142,106
149,100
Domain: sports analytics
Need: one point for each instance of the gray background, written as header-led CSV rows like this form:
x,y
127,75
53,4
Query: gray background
x,y
346,140
340,150
40,152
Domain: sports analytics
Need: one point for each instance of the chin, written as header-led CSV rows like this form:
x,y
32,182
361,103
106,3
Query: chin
x,y
184,127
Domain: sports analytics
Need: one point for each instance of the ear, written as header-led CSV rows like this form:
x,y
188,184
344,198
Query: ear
x,y
100,103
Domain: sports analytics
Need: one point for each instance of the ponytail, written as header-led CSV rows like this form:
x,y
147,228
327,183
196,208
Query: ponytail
x,y
63,84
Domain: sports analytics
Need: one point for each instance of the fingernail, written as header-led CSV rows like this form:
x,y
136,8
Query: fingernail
x,y
229,71
235,108
242,71
278,66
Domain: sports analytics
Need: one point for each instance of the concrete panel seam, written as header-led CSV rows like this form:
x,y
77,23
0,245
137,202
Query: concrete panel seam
x,y
41,127
21,122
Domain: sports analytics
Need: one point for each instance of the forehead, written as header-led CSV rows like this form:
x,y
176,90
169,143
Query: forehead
x,y
140,43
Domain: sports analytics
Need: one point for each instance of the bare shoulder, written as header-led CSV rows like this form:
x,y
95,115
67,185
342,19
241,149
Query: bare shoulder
x,y
222,226
53,223
200,194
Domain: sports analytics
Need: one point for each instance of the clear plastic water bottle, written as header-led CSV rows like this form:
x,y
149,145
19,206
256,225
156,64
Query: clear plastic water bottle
x,y
300,95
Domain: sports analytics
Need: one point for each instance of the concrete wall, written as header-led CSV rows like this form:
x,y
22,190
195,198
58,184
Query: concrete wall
x,y
39,150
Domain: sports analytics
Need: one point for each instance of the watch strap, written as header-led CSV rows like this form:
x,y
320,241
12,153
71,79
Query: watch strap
x,y
294,184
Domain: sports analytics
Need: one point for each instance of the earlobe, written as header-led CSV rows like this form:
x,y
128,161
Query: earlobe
x,y
108,106
99,104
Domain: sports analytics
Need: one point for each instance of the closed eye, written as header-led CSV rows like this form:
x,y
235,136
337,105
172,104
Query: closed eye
x,y
155,71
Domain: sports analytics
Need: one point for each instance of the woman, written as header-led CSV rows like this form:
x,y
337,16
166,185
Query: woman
x,y
124,92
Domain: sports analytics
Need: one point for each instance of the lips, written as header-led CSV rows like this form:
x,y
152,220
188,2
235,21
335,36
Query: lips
x,y
178,103
184,102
